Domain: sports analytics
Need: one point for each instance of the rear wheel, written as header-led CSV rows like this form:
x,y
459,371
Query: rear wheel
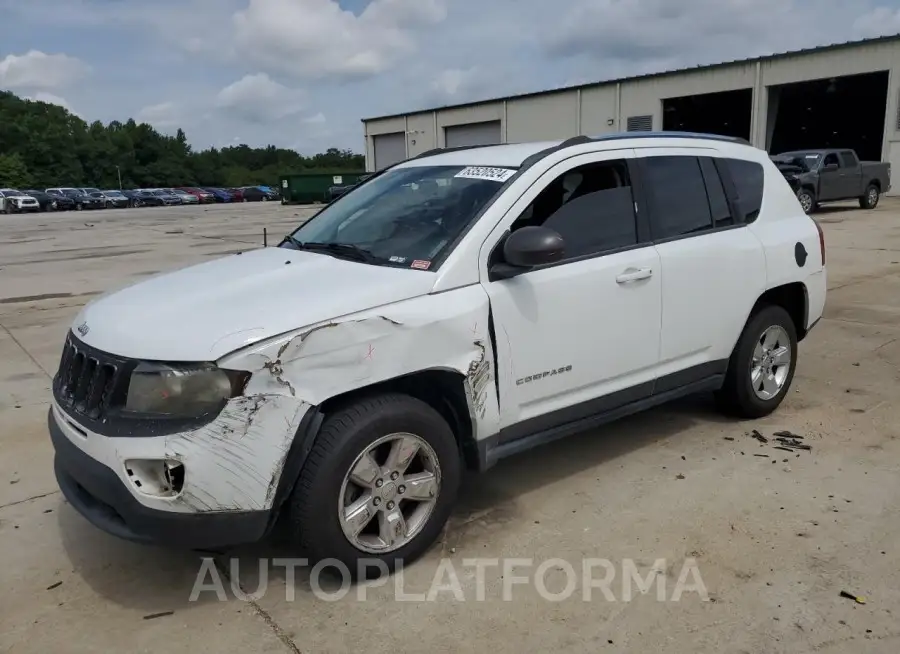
x,y
870,199
762,365
807,200
378,486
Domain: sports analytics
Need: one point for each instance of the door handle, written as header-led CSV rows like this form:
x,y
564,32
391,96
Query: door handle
x,y
634,275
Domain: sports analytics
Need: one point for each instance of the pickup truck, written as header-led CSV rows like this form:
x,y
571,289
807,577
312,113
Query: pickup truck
x,y
819,176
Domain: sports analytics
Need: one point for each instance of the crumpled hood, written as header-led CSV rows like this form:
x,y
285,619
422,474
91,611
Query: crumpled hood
x,y
206,311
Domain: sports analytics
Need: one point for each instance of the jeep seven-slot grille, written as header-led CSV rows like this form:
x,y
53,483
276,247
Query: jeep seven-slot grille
x,y
88,382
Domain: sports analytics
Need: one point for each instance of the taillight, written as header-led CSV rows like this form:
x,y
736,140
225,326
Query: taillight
x,y
821,241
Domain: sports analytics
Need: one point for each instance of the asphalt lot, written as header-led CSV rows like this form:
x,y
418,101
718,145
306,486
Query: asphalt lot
x,y
776,538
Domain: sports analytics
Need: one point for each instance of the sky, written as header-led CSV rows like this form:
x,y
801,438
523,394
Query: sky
x,y
302,73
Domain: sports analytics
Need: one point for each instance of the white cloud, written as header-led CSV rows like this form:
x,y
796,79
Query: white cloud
x,y
316,38
39,70
259,99
880,21
317,119
160,116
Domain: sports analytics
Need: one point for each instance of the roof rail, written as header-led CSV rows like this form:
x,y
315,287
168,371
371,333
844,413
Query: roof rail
x,y
434,151
621,136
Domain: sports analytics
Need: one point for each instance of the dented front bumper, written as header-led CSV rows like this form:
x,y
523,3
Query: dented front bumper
x,y
98,494
237,470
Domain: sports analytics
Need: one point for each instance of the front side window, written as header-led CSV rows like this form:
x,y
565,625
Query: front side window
x,y
678,193
405,216
831,159
591,207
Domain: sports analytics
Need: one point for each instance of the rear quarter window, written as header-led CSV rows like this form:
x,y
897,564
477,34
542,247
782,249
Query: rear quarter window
x,y
748,178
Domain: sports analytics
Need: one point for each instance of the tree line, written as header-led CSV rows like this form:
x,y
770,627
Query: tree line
x,y
44,145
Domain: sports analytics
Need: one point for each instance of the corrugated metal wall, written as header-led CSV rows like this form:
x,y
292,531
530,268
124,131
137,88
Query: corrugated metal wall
x,y
605,108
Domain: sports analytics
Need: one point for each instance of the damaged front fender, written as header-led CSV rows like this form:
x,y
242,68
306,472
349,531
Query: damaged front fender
x,y
449,331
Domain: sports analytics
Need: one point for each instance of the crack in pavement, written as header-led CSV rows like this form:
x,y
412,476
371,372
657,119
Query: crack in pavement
x,y
27,353
29,499
276,628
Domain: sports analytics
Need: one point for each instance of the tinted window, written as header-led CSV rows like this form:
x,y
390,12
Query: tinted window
x,y
848,159
679,196
747,177
715,192
591,207
831,159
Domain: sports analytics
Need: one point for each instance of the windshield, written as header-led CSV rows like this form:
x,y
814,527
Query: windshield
x,y
114,194
805,160
71,192
159,193
407,217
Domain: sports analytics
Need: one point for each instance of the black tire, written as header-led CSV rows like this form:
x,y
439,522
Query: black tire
x,y
78,206
807,200
737,396
311,512
870,199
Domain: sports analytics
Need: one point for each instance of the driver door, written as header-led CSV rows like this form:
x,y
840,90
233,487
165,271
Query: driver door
x,y
579,337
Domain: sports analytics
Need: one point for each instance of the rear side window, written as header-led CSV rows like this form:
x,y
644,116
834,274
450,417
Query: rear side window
x,y
678,191
718,203
747,177
848,159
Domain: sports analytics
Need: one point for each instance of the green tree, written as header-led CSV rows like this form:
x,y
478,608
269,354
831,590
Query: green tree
x,y
13,172
43,145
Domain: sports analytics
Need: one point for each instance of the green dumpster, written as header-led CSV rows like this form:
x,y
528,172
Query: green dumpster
x,y
308,188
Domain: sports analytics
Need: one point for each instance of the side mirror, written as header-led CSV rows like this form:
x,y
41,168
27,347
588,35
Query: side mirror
x,y
526,248
830,167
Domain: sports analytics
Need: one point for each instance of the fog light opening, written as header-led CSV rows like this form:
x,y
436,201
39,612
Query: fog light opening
x,y
156,477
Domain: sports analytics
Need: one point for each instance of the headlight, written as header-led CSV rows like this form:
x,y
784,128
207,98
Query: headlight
x,y
182,391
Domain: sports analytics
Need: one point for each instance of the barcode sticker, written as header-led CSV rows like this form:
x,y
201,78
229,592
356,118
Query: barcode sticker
x,y
489,174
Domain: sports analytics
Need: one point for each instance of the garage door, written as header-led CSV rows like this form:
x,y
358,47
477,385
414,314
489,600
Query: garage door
x,y
389,149
472,134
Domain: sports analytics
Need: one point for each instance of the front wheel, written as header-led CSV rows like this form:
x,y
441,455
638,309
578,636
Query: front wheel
x,y
807,200
871,197
378,485
762,365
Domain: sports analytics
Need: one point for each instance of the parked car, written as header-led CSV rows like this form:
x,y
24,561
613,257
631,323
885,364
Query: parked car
x,y
205,197
184,196
167,198
524,293
50,202
78,197
256,194
220,194
132,195
237,194
145,198
833,175
89,190
14,201
114,199
336,191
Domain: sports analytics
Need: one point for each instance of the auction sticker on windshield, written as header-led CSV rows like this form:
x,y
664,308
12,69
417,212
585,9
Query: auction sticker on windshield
x,y
489,174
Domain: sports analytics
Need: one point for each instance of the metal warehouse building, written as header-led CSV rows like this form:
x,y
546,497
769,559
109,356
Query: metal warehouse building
x,y
842,95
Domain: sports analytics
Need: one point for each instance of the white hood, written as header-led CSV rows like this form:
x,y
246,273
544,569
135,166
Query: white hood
x,y
204,312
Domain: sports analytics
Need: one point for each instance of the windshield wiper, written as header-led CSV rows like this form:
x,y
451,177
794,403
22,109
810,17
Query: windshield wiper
x,y
290,239
346,250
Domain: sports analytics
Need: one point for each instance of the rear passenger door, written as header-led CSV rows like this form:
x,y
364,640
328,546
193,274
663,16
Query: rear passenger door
x,y
712,267
850,175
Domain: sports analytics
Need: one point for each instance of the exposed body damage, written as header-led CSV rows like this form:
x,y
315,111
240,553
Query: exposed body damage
x,y
230,462
438,332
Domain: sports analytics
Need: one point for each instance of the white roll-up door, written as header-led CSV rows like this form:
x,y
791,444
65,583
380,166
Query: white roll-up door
x,y
472,134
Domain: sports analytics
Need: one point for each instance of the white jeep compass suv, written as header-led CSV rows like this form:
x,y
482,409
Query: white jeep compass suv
x,y
451,310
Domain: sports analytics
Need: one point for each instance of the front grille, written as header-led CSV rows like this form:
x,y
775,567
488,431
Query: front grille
x,y
89,382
